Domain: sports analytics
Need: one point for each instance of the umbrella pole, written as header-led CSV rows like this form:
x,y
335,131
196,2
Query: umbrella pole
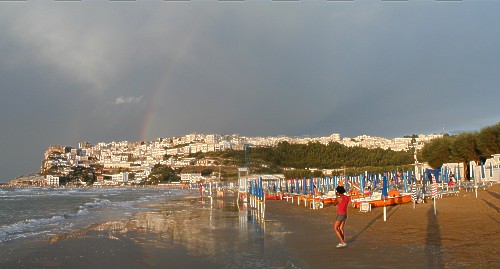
x,y
434,206
385,212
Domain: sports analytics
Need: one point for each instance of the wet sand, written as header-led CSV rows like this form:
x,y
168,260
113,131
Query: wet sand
x,y
180,233
185,233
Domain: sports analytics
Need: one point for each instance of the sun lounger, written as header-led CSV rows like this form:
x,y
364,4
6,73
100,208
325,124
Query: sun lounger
x,y
365,207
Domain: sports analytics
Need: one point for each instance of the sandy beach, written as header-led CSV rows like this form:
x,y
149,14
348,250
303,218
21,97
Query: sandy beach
x,y
189,233
463,234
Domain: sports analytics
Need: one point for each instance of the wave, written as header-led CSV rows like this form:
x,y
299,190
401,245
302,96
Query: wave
x,y
78,209
27,228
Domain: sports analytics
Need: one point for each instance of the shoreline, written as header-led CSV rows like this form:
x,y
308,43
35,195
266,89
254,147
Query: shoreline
x,y
186,232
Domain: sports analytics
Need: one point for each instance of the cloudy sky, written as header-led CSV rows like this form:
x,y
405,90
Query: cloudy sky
x,y
112,71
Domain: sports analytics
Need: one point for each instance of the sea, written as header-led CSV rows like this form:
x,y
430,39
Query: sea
x,y
34,213
75,227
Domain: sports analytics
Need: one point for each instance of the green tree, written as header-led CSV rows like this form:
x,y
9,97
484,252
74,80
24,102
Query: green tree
x,y
84,174
162,174
206,172
437,151
464,148
488,141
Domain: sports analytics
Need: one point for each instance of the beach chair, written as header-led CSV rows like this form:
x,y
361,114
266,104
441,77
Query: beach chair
x,y
330,194
448,190
365,207
468,186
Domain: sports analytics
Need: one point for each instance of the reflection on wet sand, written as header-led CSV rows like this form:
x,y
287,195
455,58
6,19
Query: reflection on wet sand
x,y
215,228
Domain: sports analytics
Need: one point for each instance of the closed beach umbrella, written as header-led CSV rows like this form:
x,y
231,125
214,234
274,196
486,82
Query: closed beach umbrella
x,y
327,179
444,178
346,185
311,186
362,183
385,187
413,192
434,190
405,178
491,170
261,190
471,170
251,187
482,171
304,185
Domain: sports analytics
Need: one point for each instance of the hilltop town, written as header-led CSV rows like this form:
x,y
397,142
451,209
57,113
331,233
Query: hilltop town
x,y
130,163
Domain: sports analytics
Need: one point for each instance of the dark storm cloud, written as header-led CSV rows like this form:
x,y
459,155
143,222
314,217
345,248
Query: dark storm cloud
x,y
96,71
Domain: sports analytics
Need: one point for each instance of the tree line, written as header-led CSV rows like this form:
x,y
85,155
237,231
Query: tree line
x,y
463,148
306,160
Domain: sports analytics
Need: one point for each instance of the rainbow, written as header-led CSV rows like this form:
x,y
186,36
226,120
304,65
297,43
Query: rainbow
x,y
161,84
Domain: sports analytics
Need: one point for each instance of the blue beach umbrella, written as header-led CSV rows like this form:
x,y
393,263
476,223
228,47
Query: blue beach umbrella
x,y
445,175
405,181
491,170
482,171
346,183
335,179
297,190
251,188
261,189
304,185
286,185
385,187
256,188
311,186
327,179
442,172
362,183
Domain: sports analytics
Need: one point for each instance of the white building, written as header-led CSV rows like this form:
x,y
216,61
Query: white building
x,y
191,177
119,178
51,180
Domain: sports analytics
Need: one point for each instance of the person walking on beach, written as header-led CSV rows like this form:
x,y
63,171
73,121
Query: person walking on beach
x,y
341,201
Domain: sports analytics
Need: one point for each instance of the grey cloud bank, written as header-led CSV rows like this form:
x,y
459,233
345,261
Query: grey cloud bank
x,y
108,71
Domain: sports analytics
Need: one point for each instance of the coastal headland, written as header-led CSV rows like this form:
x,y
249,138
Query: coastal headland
x,y
191,232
